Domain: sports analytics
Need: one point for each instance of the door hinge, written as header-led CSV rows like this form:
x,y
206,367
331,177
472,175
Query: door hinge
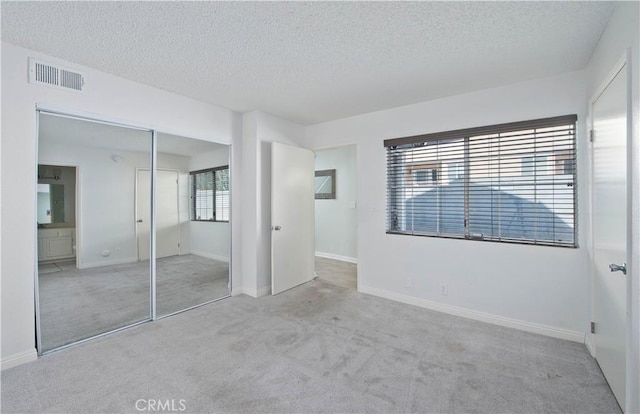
x,y
593,327
591,135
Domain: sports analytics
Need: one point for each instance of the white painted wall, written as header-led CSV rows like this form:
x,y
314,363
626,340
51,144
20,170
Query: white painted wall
x,y
249,209
259,131
209,239
236,177
531,287
621,34
336,218
106,96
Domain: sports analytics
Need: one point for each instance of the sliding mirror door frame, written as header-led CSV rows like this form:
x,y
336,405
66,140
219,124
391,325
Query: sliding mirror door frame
x,y
111,326
153,219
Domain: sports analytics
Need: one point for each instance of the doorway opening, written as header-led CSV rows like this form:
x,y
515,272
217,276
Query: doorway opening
x,y
56,214
335,216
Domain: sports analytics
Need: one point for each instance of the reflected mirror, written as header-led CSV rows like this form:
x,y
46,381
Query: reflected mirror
x,y
50,203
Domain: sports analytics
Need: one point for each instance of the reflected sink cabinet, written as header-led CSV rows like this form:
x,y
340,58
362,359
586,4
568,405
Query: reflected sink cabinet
x,y
56,243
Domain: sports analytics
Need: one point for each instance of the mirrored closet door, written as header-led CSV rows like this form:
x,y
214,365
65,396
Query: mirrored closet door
x,y
192,223
102,263
91,278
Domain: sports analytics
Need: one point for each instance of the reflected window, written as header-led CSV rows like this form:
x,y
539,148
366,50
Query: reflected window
x,y
210,194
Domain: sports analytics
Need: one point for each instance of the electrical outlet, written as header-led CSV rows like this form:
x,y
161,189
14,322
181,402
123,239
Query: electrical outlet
x,y
408,283
444,290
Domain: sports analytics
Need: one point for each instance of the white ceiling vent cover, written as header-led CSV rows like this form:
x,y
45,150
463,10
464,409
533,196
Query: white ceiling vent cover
x,y
47,74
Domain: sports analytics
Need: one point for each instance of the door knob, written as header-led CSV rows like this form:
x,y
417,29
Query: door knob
x,y
277,228
139,221
618,268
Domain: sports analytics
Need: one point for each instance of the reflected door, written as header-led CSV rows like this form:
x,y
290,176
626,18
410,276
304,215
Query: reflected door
x,y
610,223
167,220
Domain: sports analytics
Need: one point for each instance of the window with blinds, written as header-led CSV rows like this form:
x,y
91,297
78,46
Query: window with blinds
x,y
510,183
210,194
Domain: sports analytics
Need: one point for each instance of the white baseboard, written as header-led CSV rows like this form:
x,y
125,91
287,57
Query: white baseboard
x,y
108,263
589,342
263,291
236,291
58,260
337,257
478,316
19,359
210,256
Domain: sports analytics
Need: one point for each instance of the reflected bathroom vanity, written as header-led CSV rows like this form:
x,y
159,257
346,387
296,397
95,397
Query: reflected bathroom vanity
x,y
56,243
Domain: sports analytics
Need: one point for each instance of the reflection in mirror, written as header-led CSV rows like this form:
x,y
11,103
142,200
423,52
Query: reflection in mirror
x,y
56,195
91,278
325,184
192,227
50,203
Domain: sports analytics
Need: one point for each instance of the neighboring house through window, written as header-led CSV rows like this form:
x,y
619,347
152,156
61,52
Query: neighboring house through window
x,y
421,174
534,165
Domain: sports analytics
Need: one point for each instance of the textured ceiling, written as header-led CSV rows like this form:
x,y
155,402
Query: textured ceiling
x,y
314,61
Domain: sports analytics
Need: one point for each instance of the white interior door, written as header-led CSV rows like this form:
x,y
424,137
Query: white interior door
x,y
292,217
610,225
167,215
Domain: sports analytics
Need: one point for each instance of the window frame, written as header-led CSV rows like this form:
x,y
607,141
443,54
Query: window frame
x,y
193,201
555,164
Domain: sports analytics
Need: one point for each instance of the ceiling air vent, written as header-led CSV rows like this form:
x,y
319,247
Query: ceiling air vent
x,y
47,74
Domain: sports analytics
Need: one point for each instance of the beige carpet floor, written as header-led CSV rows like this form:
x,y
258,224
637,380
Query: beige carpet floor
x,y
337,272
318,348
80,303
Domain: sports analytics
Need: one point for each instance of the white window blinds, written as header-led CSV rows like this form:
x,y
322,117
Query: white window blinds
x,y
511,182
210,199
